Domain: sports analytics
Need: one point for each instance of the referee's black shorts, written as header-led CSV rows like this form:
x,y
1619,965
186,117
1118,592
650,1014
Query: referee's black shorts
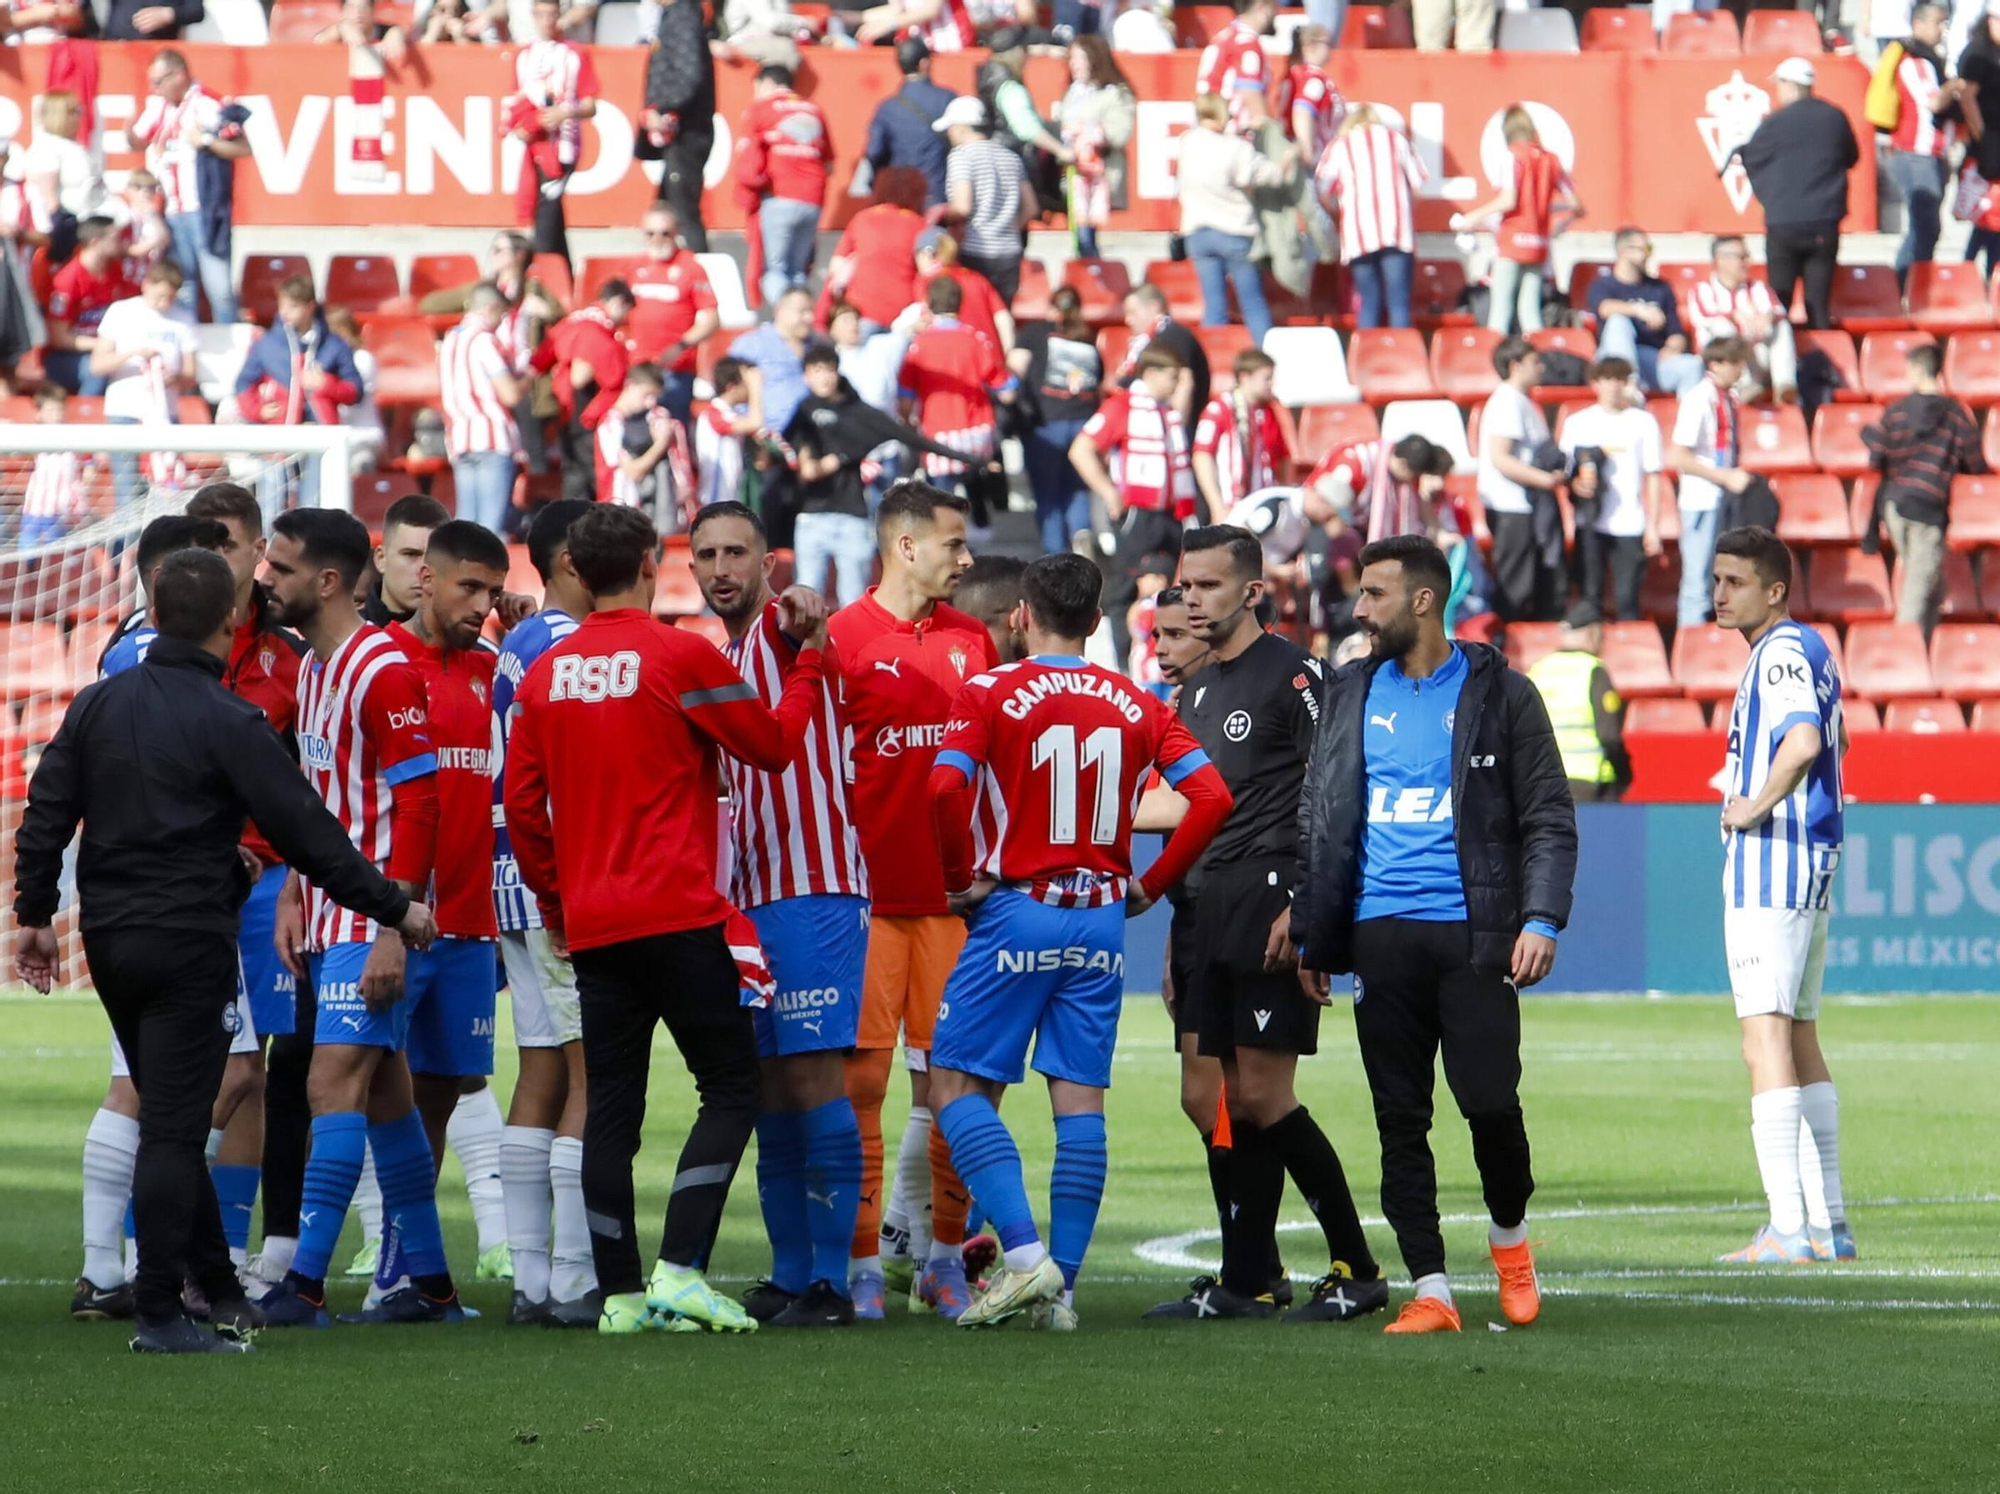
x,y
1239,1003
1180,969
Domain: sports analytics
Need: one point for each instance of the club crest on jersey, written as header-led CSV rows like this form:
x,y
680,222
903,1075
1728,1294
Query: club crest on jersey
x,y
267,657
479,691
958,657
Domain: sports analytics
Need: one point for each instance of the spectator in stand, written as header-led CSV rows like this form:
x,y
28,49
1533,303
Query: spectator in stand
x,y
871,364
60,165
874,266
587,354
36,22
1979,68
145,355
531,311
1457,25
143,207
479,393
297,373
1519,495
1366,178
1706,447
358,27
1234,70
1309,102
444,22
719,434
1535,205
56,499
364,416
902,132
1075,19
1731,304
1926,438
677,122
1097,114
783,155
1798,161
1376,488
97,276
1147,488
944,25
763,31
1928,110
986,190
1144,27
953,378
1147,321
774,376
1638,321
643,459
132,20
979,304
673,308
555,91
1061,374
188,145
1239,441
1218,220
1617,491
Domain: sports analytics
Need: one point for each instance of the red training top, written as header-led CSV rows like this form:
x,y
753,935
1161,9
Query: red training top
x,y
1539,178
785,147
458,697
667,296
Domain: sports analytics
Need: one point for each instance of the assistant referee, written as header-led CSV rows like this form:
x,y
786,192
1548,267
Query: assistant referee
x,y
1437,847
162,764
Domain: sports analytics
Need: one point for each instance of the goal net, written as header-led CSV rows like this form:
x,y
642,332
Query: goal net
x,y
74,500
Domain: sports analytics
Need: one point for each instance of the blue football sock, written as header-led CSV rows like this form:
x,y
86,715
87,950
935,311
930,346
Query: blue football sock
x,y
990,1165
1076,1189
408,1179
333,1170
131,1222
832,1186
236,1192
975,1217
781,1191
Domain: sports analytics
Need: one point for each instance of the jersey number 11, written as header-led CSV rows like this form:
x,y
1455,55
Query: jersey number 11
x,y
1104,748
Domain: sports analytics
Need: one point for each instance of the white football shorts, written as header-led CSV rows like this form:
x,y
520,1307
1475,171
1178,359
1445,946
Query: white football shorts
x,y
547,1011
1777,959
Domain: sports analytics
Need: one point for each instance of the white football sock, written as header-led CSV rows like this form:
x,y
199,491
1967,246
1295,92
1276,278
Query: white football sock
x,y
910,1203
1819,1146
1518,1235
473,1134
864,1265
1435,1286
940,1251
277,1254
1774,1129
574,1270
131,1259
214,1145
110,1152
1027,1257
525,1184
368,1198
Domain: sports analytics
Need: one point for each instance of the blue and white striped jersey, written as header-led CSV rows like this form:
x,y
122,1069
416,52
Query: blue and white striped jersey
x,y
513,905
1789,860
128,652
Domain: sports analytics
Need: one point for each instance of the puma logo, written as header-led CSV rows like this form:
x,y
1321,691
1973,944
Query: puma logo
x,y
1387,723
890,666
826,1198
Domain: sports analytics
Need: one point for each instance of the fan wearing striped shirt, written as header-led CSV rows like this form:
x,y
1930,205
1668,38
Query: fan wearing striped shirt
x,y
57,499
1239,441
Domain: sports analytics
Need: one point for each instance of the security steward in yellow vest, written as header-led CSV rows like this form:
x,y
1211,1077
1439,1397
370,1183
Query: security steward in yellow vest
x,y
1586,711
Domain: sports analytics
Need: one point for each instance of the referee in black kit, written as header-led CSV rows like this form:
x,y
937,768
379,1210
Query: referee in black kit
x,y
1254,710
162,764
1437,847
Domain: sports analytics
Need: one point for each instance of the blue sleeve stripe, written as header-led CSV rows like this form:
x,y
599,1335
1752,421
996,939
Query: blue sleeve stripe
x,y
1797,718
1177,771
951,758
411,767
1539,926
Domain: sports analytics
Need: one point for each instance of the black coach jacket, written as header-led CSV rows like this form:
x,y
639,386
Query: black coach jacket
x,y
1513,819
162,765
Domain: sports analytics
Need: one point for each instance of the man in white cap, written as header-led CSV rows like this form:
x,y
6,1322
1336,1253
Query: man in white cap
x,y
1798,161
986,195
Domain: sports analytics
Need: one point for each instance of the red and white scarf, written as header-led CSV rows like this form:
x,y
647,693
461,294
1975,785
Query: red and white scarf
x,y
365,86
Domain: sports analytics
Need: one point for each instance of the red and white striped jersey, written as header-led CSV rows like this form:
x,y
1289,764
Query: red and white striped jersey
x,y
548,73
475,417
1714,310
1917,129
55,487
1147,448
1248,445
792,832
1058,751
512,335
1310,87
1234,66
957,25
169,133
362,730
1366,178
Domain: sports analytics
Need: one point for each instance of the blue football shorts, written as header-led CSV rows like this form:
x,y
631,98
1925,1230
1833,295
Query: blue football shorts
x,y
816,948
273,993
445,1019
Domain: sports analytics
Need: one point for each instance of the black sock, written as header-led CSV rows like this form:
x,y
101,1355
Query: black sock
x,y
1316,1172
1218,1183
1256,1186
308,1286
438,1288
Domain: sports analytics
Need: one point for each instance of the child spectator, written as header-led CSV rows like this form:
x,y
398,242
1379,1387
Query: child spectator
x,y
1239,442
1706,450
1535,205
720,431
642,451
951,377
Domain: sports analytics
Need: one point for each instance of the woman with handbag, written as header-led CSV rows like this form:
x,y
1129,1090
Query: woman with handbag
x,y
1096,115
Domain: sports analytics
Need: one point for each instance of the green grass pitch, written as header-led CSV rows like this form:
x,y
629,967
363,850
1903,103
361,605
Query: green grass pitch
x,y
1653,1368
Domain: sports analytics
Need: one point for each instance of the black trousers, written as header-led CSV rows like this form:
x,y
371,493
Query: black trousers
x,y
688,981
1003,270
1809,253
1624,556
288,1119
579,453
166,992
1416,991
1527,587
680,186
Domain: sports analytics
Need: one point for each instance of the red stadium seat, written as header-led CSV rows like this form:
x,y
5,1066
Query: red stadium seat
x,y
1621,30
602,267
1528,643
33,660
1637,660
430,273
1323,427
1111,344
1664,714
1860,716
1329,296
1989,445
406,359
79,585
1886,661
1861,503
1837,349
1965,660
1198,25
1986,716
1866,298
1972,367
1848,585
1435,290
1975,512
1576,340
1774,439
1812,510
1924,717
706,625
1883,354
1708,661
1103,285
1960,602
1702,32
362,282
1222,344
1584,271
1946,295
1783,32
557,278
1377,27
257,297
1389,363
1031,299
1462,363
1837,444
